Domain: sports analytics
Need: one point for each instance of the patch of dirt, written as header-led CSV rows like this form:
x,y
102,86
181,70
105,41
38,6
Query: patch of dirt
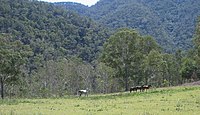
x,y
191,84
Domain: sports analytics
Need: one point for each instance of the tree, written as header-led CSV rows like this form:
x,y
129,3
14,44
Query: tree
x,y
170,69
12,57
197,36
105,82
147,44
178,58
120,52
188,68
196,51
151,67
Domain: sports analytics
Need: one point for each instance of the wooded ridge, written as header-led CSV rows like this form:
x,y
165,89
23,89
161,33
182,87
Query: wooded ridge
x,y
170,22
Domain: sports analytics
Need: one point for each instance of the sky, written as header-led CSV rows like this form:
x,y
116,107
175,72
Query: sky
x,y
85,2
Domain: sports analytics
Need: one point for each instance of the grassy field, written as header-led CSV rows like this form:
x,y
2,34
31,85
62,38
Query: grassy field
x,y
165,101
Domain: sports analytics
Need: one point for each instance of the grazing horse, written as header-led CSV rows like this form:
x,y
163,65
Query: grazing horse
x,y
146,87
80,92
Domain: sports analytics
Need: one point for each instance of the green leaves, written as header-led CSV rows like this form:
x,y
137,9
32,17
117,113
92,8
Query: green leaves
x,y
170,22
44,26
120,47
188,68
12,57
196,51
128,52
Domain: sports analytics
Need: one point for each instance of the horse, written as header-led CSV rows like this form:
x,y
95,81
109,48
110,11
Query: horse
x,y
136,88
80,92
133,89
139,87
145,87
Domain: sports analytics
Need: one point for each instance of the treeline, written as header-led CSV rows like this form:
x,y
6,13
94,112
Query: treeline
x,y
47,51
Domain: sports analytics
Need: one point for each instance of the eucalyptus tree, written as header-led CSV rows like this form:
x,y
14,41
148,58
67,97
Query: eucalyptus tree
x,y
197,47
12,57
147,44
170,70
152,69
121,52
197,36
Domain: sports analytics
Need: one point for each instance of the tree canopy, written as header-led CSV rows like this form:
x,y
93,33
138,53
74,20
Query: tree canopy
x,y
12,56
50,30
125,51
170,22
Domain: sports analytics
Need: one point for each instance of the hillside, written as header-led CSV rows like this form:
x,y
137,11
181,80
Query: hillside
x,y
51,31
171,22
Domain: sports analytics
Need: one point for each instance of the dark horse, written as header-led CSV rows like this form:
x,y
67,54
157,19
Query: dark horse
x,y
141,88
136,88
133,89
145,87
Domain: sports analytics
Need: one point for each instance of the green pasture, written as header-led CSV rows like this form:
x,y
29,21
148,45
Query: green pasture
x,y
162,101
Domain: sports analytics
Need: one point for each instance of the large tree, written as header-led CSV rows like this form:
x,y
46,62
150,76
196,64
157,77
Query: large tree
x,y
121,52
197,36
196,51
11,59
147,44
194,54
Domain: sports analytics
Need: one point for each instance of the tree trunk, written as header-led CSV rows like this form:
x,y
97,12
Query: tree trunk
x,y
2,88
146,78
126,78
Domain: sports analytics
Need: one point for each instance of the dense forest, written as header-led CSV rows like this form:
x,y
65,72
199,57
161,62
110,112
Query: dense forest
x,y
50,51
170,22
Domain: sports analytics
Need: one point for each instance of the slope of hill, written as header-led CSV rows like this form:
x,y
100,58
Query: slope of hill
x,y
171,22
179,18
51,31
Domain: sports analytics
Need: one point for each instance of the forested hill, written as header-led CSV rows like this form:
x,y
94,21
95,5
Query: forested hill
x,y
171,22
50,31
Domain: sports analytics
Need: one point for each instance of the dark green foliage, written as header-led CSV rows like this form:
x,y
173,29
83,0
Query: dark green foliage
x,y
196,39
120,53
196,50
12,57
51,31
170,22
80,8
188,68
125,51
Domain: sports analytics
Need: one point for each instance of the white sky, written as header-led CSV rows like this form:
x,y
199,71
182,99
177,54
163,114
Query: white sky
x,y
85,2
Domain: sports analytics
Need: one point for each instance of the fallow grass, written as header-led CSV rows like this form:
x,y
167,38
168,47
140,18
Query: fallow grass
x,y
162,101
